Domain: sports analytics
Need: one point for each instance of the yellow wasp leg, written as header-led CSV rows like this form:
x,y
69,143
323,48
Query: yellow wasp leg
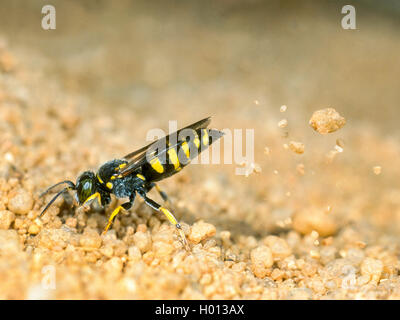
x,y
126,206
162,193
110,220
159,190
93,196
175,222
169,216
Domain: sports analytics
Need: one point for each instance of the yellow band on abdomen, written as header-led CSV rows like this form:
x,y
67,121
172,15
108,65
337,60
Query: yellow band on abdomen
x,y
185,149
156,165
173,157
205,137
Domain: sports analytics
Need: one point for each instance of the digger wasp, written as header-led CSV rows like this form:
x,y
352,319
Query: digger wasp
x,y
138,171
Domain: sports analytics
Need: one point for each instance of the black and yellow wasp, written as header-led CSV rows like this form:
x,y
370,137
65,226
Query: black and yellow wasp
x,y
139,171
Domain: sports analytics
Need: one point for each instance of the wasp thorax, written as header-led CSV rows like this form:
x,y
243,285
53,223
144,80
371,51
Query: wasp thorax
x,y
85,185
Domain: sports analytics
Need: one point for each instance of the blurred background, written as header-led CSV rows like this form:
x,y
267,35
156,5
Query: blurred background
x,y
190,58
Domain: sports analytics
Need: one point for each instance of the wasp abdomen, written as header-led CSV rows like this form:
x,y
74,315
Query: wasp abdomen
x,y
172,159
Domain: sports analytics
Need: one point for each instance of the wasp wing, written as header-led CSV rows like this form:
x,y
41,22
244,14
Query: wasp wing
x,y
139,157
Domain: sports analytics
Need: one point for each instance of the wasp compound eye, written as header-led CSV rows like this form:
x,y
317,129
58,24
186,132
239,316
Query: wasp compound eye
x,y
85,186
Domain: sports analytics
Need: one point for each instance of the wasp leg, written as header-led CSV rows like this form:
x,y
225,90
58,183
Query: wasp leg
x,y
151,203
159,190
125,206
93,197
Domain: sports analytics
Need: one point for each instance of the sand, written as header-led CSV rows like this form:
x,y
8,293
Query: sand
x,y
314,222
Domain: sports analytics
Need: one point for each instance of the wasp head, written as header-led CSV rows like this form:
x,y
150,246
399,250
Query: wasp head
x,y
85,186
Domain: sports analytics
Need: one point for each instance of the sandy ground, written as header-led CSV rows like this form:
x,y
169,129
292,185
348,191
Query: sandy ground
x,y
318,220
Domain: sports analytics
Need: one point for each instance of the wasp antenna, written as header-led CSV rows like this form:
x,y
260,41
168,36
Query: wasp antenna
x,y
52,200
70,183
